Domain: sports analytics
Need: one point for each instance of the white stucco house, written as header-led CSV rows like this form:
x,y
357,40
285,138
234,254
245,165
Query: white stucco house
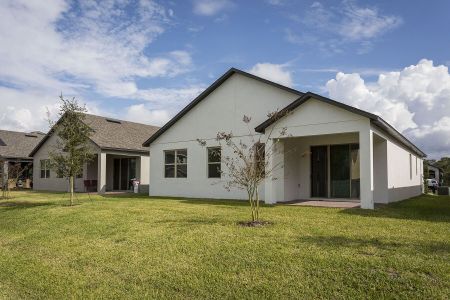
x,y
119,157
332,151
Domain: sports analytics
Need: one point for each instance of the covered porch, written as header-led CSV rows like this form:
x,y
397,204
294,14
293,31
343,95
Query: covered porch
x,y
346,167
113,171
16,173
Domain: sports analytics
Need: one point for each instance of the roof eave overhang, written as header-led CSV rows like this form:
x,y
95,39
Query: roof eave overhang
x,y
141,151
385,126
372,117
16,158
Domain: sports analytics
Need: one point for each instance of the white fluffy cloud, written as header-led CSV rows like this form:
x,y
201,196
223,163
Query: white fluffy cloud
x,y
170,97
351,21
49,47
415,100
141,114
159,100
273,72
365,23
211,7
331,28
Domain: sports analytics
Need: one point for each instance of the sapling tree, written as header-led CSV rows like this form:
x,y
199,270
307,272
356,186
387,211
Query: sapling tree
x,y
247,163
72,148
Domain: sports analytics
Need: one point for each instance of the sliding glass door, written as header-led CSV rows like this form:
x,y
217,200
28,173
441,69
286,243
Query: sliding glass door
x,y
339,171
124,171
319,167
335,171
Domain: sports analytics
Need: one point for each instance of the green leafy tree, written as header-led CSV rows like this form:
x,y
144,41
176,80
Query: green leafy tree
x,y
444,164
72,149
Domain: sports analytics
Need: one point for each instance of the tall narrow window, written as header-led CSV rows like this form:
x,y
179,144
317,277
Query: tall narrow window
x,y
214,165
410,166
45,168
175,163
416,165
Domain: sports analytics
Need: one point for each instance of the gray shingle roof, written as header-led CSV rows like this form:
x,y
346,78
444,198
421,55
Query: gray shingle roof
x,y
18,144
117,134
113,134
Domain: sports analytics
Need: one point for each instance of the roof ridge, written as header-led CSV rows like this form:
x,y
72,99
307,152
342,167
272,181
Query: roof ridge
x,y
22,132
112,118
208,91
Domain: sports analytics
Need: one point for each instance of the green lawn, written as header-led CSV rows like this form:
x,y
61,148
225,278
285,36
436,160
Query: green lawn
x,y
140,247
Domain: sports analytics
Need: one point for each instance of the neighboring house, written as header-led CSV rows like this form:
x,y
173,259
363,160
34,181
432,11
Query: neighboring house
x,y
435,173
15,148
119,157
333,151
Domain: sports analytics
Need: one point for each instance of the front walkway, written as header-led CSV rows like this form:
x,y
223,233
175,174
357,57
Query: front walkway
x,y
324,203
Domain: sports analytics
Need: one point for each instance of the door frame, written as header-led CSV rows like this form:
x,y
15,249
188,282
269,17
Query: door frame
x,y
325,178
328,176
128,187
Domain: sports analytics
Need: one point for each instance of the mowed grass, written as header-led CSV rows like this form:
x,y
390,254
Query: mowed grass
x,y
140,247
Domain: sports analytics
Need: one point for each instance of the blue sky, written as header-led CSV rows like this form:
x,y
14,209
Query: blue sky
x,y
145,60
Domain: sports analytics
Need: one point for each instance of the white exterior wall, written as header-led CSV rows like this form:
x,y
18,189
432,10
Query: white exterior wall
x,y
143,173
400,185
222,110
315,121
380,170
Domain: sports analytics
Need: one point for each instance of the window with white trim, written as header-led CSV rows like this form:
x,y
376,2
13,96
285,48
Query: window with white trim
x,y
45,168
175,163
214,162
410,166
416,165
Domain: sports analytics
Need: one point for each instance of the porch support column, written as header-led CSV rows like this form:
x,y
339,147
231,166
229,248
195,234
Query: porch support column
x,y
5,167
366,167
274,185
101,175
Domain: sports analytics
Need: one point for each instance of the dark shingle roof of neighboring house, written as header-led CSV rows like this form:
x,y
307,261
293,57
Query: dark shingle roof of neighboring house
x,y
208,91
114,134
376,120
18,145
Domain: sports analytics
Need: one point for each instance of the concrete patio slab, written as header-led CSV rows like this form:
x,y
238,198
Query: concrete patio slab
x,y
322,203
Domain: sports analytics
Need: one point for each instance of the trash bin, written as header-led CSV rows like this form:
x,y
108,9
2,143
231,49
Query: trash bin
x,y
443,191
135,185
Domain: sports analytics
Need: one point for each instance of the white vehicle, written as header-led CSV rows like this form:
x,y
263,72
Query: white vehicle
x,y
432,183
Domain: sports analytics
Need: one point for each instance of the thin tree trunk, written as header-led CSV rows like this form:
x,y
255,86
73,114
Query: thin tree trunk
x,y
257,203
71,190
